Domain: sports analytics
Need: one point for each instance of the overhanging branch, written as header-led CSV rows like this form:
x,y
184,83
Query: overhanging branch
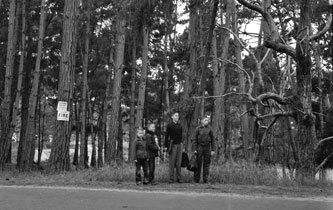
x,y
322,31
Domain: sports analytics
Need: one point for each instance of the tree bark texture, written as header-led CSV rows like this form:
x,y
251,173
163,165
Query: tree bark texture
x,y
118,71
306,134
219,74
83,152
59,158
143,78
132,111
28,151
5,105
187,104
244,121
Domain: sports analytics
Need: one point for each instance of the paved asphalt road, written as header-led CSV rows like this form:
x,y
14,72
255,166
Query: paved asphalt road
x,y
77,198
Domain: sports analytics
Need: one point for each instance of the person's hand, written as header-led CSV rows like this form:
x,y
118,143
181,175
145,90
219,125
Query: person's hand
x,y
135,161
195,152
212,153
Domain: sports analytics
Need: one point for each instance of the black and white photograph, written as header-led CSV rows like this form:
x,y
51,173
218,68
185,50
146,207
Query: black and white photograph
x,y
166,105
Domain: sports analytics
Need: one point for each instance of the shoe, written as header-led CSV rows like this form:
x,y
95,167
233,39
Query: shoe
x,y
145,183
195,181
138,183
179,181
205,182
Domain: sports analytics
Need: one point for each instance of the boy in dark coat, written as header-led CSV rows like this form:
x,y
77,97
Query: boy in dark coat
x,y
153,148
174,146
203,145
141,157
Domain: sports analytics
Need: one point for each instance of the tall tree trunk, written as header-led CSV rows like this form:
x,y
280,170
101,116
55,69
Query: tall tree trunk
x,y
91,108
83,144
306,134
59,158
120,148
101,142
143,79
208,46
218,123
28,151
119,60
241,84
108,101
187,109
5,108
132,112
166,75
18,95
26,89
77,134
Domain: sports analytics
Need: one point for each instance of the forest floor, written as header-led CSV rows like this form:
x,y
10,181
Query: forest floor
x,y
86,179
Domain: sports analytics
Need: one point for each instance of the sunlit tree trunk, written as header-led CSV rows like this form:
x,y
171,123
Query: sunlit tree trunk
x,y
6,102
18,94
91,108
143,78
118,71
166,75
59,158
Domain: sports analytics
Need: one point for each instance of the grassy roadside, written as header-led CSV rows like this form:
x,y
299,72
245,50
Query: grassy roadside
x,y
238,178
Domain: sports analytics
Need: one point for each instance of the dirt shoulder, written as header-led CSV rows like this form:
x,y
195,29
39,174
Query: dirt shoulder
x,y
301,192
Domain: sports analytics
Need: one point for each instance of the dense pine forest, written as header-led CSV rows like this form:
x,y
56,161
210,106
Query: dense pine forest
x,y
79,74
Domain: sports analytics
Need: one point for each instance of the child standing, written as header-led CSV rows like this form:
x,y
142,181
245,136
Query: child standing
x,y
204,146
153,148
141,157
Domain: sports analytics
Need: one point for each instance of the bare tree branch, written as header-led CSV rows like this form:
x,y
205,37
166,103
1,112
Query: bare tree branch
x,y
323,140
323,31
269,95
250,80
275,35
274,42
323,162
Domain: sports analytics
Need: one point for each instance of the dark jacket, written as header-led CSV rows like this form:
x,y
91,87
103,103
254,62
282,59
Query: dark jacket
x,y
141,149
173,133
203,137
152,145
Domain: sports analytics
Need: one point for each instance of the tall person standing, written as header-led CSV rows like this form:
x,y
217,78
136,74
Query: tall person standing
x,y
174,146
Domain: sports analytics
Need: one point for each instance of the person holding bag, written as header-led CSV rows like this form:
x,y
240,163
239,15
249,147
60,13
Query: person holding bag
x,y
203,145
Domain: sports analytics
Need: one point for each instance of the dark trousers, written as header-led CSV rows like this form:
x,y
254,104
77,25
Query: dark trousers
x,y
175,160
144,164
151,164
203,160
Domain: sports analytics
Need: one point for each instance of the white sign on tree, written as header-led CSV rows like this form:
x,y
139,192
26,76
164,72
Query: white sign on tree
x,y
62,114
